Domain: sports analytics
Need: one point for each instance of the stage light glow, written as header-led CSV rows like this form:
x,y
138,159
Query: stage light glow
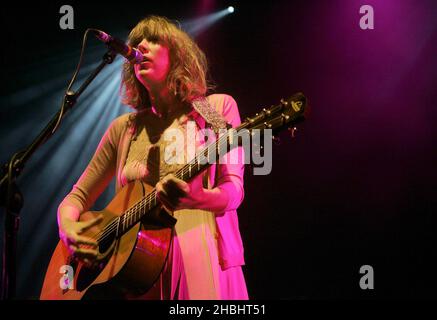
x,y
196,26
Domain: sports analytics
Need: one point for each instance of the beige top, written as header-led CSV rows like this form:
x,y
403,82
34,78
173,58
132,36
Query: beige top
x,y
151,153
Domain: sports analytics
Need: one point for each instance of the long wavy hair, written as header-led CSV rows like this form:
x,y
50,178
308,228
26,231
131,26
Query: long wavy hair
x,y
187,77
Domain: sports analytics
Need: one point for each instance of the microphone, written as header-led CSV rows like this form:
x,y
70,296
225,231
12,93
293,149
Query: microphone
x,y
133,55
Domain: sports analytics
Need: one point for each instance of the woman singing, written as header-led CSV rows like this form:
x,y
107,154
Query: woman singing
x,y
206,255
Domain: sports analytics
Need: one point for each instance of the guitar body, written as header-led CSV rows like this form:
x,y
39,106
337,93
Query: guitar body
x,y
127,265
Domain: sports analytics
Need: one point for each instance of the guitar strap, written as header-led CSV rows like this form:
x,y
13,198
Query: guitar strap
x,y
214,120
211,116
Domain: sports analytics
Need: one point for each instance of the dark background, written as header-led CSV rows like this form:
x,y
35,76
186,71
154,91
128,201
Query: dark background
x,y
356,187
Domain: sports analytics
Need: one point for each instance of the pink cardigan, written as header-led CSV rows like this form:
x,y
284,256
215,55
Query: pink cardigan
x,y
110,158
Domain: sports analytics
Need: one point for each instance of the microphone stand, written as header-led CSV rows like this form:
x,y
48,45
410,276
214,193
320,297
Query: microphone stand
x,y
10,196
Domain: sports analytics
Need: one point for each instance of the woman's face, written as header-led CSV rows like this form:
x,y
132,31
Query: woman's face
x,y
155,68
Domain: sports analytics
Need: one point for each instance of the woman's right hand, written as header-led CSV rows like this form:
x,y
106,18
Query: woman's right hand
x,y
70,233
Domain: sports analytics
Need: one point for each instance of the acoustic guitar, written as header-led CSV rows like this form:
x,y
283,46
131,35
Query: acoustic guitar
x,y
135,234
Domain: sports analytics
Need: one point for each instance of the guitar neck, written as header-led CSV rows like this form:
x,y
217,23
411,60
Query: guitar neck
x,y
289,112
202,160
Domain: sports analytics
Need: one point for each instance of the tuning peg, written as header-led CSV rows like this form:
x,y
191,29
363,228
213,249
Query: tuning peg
x,y
276,140
267,111
292,132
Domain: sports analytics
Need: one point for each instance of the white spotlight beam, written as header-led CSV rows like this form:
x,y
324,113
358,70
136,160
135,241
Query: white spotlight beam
x,y
196,26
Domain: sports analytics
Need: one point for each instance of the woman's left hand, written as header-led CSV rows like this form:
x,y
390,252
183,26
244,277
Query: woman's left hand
x,y
176,194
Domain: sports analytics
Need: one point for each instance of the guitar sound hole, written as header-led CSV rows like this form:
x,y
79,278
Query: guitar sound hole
x,y
106,241
87,275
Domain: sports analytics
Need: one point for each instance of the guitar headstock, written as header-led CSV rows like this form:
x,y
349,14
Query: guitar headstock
x,y
294,109
285,115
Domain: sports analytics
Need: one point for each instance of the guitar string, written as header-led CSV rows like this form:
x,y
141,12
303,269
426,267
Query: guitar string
x,y
112,226
142,204
138,207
